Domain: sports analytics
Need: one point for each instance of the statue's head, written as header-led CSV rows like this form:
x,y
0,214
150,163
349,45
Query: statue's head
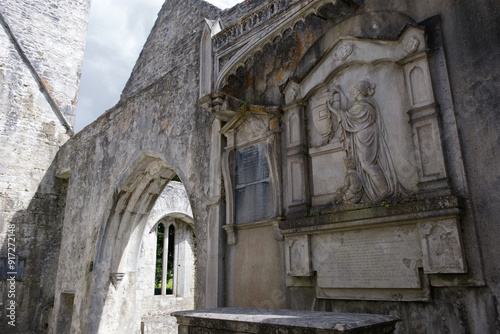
x,y
364,88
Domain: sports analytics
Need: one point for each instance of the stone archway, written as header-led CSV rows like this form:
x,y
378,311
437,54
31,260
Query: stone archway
x,y
172,208
114,280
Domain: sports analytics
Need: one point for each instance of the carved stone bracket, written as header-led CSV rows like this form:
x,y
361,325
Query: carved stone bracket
x,y
116,279
231,234
223,106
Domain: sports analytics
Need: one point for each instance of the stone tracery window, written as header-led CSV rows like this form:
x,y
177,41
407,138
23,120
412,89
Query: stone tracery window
x,y
174,253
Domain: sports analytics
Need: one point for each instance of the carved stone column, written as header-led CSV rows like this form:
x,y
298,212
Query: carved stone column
x,y
216,218
424,121
228,172
296,189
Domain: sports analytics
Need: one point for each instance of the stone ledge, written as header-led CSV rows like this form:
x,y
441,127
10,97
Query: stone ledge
x,y
352,215
256,320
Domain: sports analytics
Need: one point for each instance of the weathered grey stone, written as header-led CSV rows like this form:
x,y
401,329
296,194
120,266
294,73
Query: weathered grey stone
x,y
272,77
153,311
41,53
258,320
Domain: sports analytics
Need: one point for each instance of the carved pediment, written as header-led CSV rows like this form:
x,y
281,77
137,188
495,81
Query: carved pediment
x,y
251,123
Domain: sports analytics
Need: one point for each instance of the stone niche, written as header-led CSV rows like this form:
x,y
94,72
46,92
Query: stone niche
x,y
250,167
370,211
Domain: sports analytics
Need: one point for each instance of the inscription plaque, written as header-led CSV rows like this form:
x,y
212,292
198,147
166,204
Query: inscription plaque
x,y
374,258
253,198
253,202
251,164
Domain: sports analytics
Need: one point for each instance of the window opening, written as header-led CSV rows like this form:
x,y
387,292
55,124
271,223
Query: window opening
x,y
160,233
170,260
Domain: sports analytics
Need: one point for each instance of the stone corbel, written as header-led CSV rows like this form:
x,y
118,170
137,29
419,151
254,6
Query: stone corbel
x,y
277,231
223,106
116,279
231,234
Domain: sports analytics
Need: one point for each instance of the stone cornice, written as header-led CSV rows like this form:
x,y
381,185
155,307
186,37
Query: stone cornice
x,y
255,30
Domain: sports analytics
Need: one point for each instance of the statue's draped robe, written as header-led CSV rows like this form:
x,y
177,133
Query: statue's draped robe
x,y
364,128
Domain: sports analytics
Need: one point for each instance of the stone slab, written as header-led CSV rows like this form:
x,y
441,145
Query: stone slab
x,y
258,320
251,164
253,202
373,258
253,188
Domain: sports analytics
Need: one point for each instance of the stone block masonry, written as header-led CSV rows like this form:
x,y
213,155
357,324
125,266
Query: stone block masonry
x,y
41,54
255,320
426,69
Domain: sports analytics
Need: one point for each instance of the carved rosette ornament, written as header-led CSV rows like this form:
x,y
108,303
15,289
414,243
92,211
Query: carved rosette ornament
x,y
411,45
343,52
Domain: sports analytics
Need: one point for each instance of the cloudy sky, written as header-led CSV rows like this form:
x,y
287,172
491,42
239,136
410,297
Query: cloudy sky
x,y
116,34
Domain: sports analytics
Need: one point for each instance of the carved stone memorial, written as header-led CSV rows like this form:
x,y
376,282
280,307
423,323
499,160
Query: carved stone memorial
x,y
250,166
371,143
350,172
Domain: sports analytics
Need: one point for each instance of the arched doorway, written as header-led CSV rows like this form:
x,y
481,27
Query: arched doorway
x,y
166,264
112,302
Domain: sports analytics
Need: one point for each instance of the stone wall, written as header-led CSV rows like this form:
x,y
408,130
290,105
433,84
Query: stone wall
x,y
41,54
122,162
169,47
463,50
119,165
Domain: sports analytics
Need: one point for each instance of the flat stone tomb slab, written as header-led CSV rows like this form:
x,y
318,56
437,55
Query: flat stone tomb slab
x,y
257,320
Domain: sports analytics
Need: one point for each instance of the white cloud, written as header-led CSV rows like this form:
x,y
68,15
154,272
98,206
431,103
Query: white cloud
x,y
116,34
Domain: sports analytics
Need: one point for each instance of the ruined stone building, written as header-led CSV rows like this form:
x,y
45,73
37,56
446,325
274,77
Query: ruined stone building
x,y
335,155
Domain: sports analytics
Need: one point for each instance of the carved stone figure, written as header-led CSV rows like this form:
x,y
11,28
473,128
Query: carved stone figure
x,y
352,190
365,135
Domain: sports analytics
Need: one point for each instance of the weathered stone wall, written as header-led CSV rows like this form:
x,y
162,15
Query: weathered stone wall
x,y
169,47
41,54
275,64
467,34
470,37
120,163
